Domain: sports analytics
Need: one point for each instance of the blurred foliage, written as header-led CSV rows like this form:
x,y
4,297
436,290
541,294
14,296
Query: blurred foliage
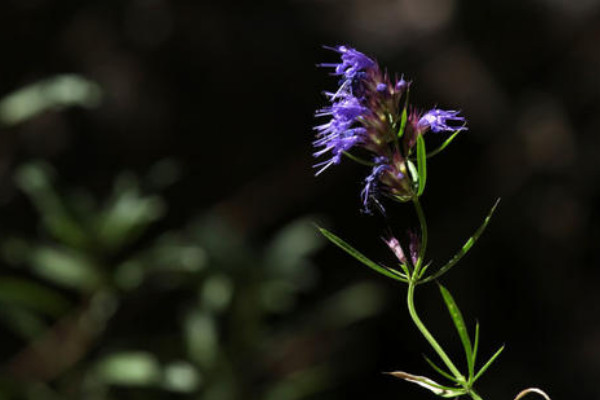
x,y
106,305
51,94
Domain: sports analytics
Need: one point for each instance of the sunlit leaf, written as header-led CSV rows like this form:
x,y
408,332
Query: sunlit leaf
x,y
181,377
129,369
445,144
475,344
403,119
459,323
464,250
67,268
56,92
488,363
390,273
421,164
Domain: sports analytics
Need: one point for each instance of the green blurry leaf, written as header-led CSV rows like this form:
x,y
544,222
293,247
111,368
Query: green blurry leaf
x,y
181,377
278,296
459,323
128,214
129,369
390,273
464,250
66,268
32,295
202,338
288,252
35,180
57,92
487,364
22,322
436,388
421,164
216,292
351,304
444,145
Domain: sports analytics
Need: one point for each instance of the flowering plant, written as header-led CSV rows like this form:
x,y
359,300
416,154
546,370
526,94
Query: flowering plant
x,y
370,113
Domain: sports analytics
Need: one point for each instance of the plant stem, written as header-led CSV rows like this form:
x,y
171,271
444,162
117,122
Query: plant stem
x,y
423,245
429,337
413,280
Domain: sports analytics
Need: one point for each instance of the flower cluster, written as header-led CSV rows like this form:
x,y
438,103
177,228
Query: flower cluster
x,y
370,111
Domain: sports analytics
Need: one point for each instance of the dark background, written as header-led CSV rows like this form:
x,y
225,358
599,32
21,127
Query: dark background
x,y
227,91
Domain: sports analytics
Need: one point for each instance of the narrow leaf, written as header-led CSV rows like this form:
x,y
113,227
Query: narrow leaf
x,y
439,370
389,272
445,144
403,119
464,250
440,390
475,347
358,159
421,164
459,323
487,364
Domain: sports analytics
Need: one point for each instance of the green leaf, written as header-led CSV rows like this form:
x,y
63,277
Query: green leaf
x,y
358,159
67,267
487,364
421,164
475,346
403,119
444,145
31,295
50,94
180,377
129,368
464,250
459,323
383,270
439,370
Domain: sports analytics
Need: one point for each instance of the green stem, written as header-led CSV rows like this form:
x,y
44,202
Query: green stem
x,y
429,337
413,280
423,246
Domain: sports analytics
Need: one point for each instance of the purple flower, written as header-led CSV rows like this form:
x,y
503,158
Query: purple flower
x,y
437,120
394,245
353,62
341,133
414,244
369,192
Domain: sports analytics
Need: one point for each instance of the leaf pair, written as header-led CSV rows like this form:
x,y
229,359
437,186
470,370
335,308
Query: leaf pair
x,y
469,348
